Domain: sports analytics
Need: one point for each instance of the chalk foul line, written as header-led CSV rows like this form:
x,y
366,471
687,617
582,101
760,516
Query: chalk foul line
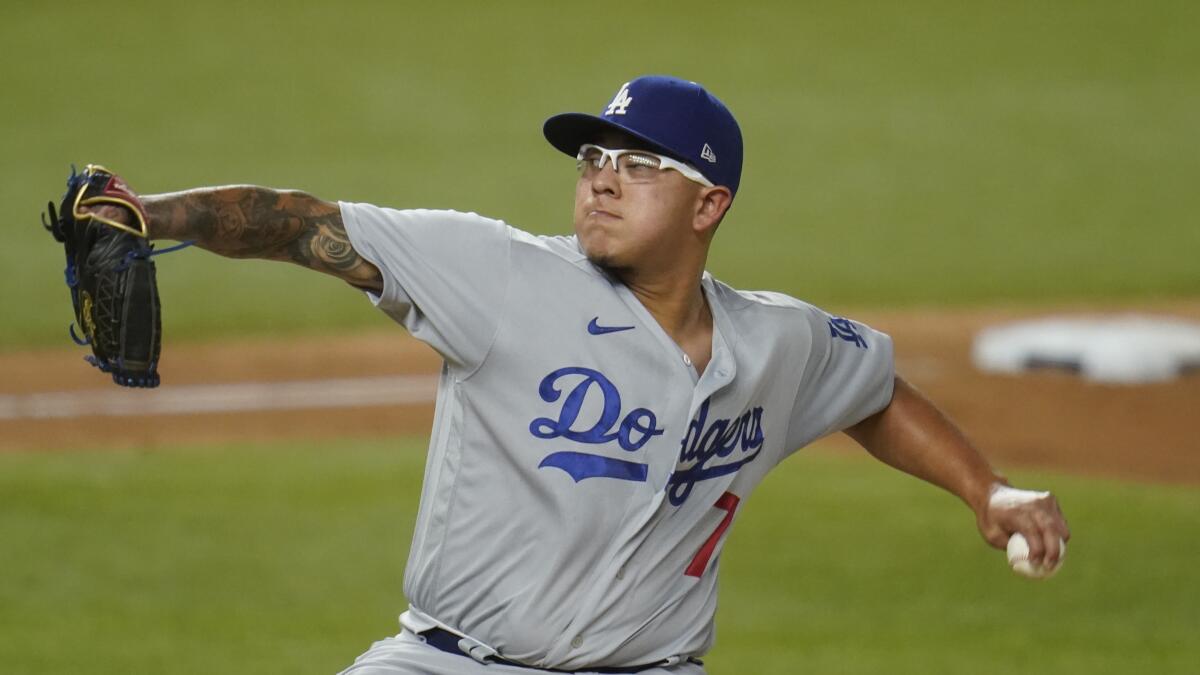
x,y
216,398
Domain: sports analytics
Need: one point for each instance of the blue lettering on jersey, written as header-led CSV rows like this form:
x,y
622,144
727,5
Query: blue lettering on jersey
x,y
704,441
630,432
846,330
580,465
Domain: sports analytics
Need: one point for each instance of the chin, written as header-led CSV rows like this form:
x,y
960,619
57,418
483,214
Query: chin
x,y
598,247
608,264
600,258
597,257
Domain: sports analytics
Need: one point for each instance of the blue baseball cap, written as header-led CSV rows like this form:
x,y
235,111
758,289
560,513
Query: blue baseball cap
x,y
674,117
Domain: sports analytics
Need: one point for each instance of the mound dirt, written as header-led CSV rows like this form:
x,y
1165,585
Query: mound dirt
x,y
1045,419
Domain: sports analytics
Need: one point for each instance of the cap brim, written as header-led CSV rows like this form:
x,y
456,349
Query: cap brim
x,y
567,131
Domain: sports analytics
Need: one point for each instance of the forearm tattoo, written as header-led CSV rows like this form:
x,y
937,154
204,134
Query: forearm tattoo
x,y
255,222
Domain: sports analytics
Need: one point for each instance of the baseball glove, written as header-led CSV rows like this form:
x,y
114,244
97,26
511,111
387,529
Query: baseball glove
x,y
111,276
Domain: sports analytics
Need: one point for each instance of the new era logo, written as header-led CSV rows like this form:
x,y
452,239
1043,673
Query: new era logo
x,y
708,154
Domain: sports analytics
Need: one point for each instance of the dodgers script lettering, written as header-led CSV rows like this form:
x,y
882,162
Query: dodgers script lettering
x,y
705,442
630,432
590,413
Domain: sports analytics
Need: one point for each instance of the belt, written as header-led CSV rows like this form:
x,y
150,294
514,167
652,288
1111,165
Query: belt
x,y
449,642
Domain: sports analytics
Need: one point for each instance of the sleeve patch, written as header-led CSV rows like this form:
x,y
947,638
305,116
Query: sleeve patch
x,y
846,330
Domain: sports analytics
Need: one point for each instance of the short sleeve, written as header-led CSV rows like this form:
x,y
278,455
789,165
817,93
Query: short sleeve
x,y
445,274
849,376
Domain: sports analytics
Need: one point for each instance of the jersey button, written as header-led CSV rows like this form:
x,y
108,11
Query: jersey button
x,y
687,360
577,642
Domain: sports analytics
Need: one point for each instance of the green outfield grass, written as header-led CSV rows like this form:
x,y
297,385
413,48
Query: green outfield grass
x,y
287,558
925,152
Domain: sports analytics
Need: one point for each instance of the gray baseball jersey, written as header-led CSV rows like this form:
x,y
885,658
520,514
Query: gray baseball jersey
x,y
582,476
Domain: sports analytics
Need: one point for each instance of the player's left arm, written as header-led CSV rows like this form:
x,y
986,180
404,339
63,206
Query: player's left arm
x,y
914,436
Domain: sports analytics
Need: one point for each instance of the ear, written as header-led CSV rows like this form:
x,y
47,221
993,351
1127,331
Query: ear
x,y
711,205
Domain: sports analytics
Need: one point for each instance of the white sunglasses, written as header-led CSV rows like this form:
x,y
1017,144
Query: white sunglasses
x,y
632,166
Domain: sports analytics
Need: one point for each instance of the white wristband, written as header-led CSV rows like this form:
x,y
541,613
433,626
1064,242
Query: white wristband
x,y
1005,497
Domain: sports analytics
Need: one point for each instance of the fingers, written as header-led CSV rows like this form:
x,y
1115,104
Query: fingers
x,y
1054,533
1052,550
1037,545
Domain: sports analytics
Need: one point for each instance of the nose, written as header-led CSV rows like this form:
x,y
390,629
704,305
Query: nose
x,y
605,181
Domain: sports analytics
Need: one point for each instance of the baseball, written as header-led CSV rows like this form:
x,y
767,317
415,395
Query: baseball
x,y
1018,558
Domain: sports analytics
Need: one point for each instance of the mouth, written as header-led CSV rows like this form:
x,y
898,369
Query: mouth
x,y
601,213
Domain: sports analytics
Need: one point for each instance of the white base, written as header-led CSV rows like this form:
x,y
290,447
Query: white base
x,y
1127,349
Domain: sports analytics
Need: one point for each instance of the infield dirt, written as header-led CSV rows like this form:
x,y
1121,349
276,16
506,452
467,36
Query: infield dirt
x,y
1038,420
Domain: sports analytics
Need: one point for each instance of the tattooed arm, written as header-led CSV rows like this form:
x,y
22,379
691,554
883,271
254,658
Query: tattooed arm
x,y
254,222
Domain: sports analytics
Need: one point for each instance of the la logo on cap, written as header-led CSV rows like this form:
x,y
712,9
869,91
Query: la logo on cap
x,y
620,102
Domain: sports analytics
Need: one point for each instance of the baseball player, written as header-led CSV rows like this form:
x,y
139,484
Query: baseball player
x,y
606,406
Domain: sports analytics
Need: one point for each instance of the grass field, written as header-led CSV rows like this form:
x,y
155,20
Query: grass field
x,y
919,153
285,559
924,152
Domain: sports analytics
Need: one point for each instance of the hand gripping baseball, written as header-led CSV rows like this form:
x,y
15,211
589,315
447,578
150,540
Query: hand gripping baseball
x,y
1029,525
109,272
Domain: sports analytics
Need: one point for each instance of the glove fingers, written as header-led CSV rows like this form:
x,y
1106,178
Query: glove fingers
x,y
53,223
140,321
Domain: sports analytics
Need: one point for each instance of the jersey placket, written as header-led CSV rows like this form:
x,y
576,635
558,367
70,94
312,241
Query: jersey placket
x,y
683,397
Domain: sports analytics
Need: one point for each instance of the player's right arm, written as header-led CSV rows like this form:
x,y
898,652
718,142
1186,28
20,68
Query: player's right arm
x,y
914,436
243,221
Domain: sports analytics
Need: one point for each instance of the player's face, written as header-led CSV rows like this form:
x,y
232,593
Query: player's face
x,y
627,221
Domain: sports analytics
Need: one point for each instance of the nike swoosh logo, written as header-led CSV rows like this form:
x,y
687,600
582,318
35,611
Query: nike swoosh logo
x,y
596,329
